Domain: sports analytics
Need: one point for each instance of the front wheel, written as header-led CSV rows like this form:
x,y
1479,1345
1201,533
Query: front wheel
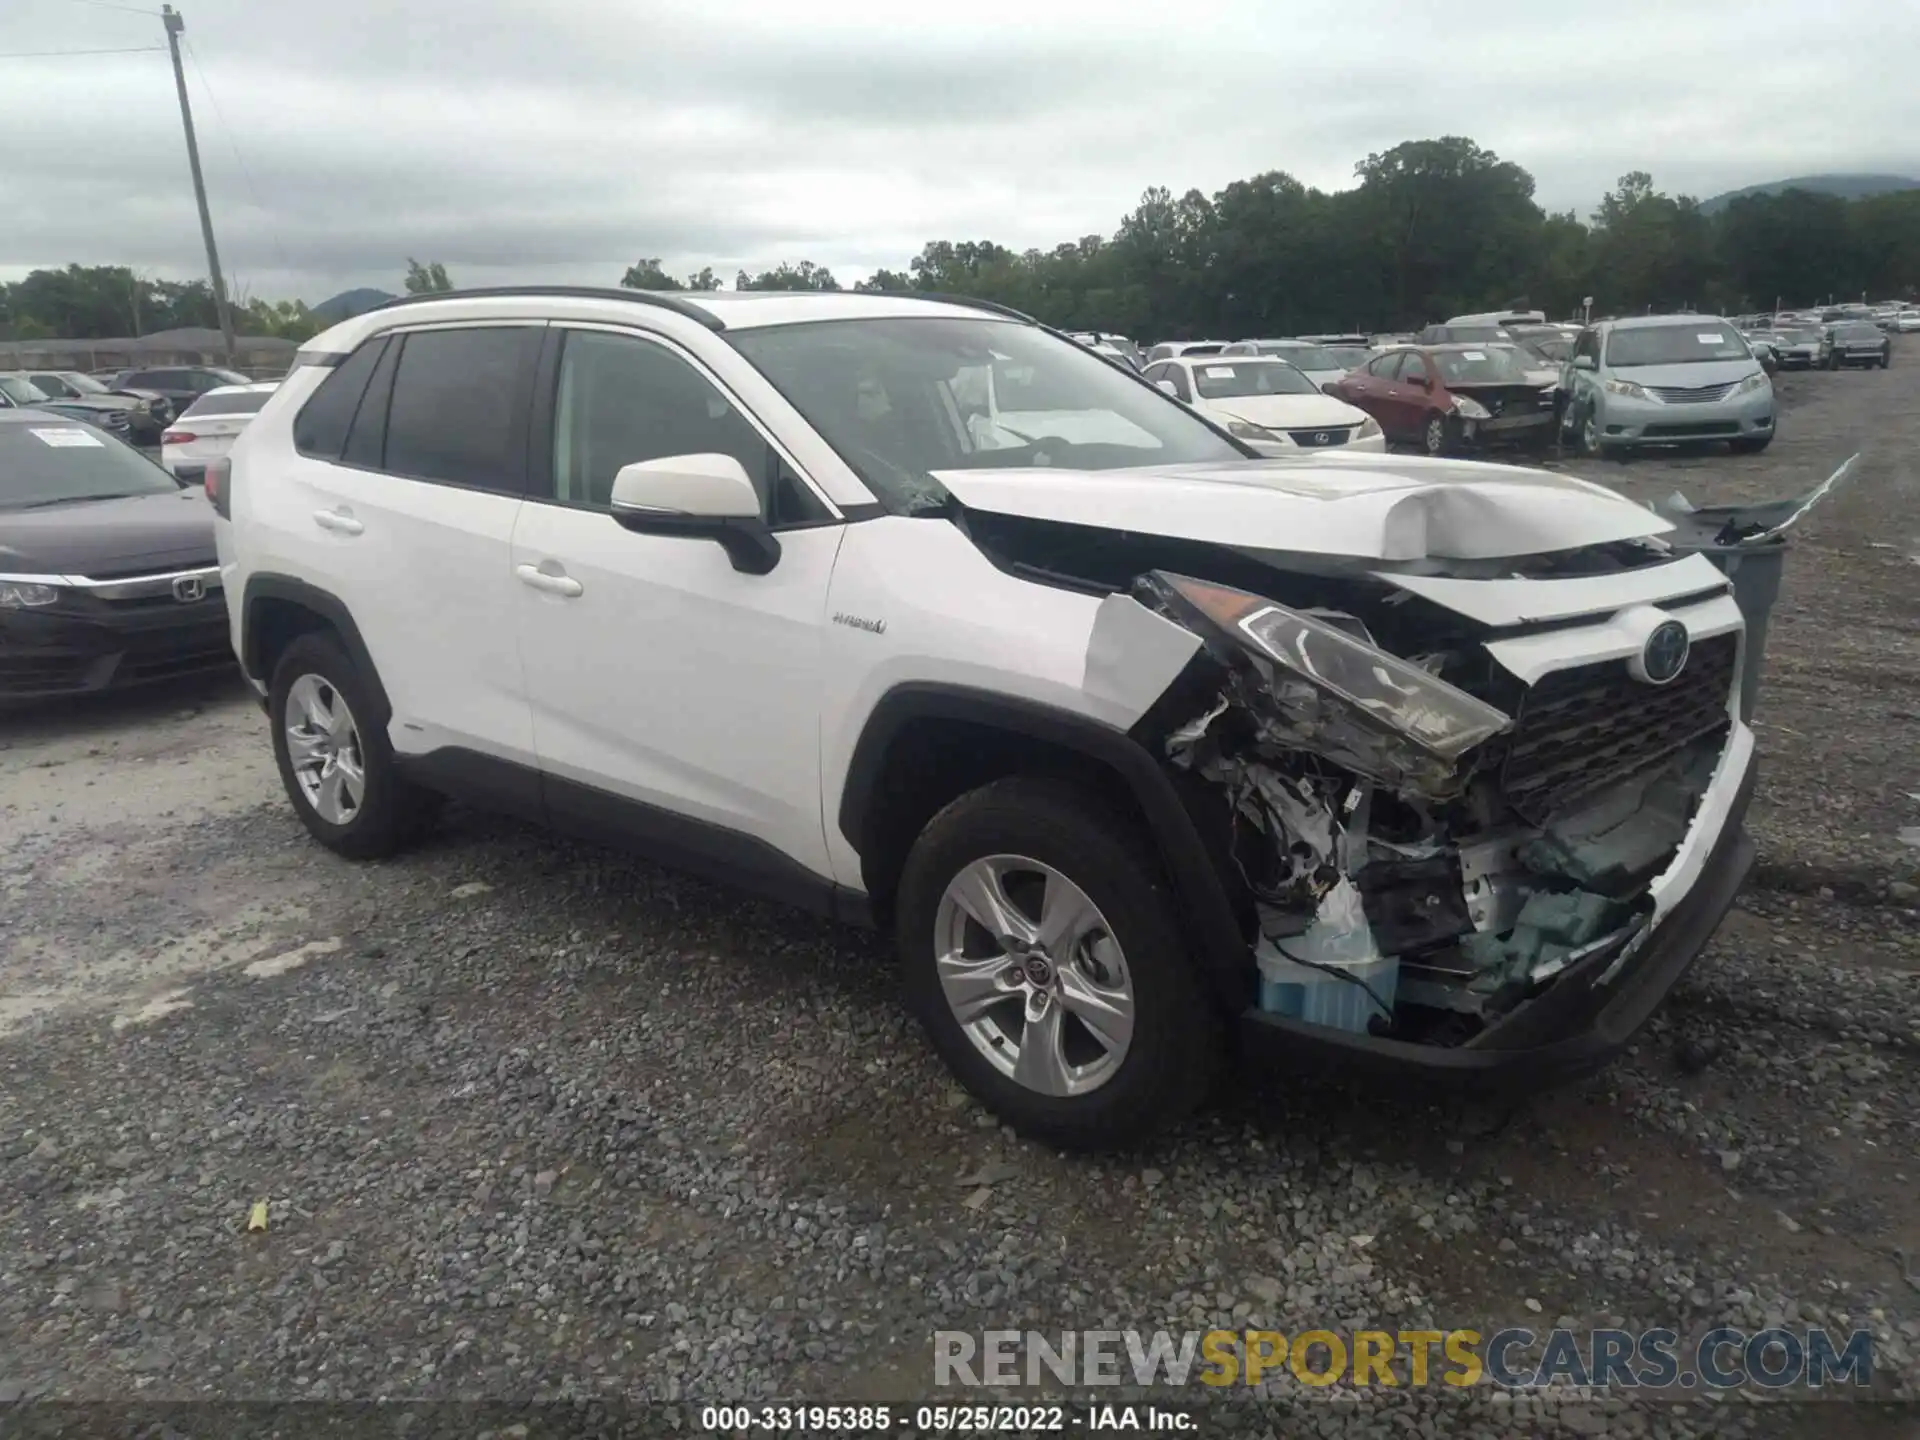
x,y
1041,949
1751,445
1591,445
1886,359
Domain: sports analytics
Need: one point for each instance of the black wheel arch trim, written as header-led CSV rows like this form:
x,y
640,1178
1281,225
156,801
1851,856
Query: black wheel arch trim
x,y
328,607
1217,941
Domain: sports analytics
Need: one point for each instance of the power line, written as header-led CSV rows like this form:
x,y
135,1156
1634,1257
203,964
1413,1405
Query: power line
x,y
110,5
51,54
233,144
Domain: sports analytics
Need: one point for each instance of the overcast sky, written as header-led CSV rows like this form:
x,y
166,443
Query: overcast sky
x,y
520,140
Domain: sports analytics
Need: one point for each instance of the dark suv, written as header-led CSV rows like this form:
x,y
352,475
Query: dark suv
x,y
181,384
1859,342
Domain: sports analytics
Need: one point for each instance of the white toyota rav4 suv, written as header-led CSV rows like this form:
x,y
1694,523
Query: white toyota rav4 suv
x,y
915,613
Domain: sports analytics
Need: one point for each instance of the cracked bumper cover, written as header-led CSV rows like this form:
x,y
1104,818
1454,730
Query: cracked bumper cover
x,y
1589,1014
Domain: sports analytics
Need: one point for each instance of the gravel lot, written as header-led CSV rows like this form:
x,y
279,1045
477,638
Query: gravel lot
x,y
535,1119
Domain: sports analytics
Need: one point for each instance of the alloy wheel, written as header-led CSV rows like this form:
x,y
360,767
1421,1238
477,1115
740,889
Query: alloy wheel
x,y
1032,972
1436,436
323,747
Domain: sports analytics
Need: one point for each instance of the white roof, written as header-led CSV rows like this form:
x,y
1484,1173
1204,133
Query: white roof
x,y
255,388
668,311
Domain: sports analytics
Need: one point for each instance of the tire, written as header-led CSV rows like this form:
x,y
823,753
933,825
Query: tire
x,y
1750,446
388,813
1886,357
1589,442
1104,1096
1435,438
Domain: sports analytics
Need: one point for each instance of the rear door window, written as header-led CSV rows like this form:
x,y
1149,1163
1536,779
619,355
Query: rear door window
x,y
459,408
320,429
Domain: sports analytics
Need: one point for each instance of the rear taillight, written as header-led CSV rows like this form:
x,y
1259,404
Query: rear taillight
x,y
177,437
219,487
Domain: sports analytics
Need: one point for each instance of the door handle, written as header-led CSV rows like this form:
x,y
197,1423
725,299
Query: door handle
x,y
341,522
552,584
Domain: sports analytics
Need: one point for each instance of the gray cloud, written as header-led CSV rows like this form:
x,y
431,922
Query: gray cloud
x,y
510,139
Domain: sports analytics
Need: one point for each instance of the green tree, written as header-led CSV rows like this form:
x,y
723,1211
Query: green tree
x,y
647,275
703,279
804,276
428,279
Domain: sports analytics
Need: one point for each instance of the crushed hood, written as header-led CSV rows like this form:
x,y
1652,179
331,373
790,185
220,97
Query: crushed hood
x,y
1372,507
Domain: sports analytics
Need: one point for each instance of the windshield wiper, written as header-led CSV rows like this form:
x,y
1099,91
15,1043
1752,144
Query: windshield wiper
x,y
75,500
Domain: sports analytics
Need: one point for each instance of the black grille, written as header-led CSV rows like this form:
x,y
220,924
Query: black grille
x,y
1327,435
1701,427
1582,729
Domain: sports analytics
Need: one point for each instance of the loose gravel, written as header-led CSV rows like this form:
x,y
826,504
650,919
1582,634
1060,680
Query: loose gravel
x,y
535,1120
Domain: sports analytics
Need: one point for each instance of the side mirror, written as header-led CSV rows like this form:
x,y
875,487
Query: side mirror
x,y
707,497
1583,362
1166,388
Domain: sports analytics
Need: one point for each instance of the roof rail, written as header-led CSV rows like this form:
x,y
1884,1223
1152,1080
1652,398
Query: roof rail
x,y
664,300
968,301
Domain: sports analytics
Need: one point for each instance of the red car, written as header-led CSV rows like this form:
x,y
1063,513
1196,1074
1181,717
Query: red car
x,y
1448,398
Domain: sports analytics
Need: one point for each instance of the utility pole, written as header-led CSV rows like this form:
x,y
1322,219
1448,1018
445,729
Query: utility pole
x,y
174,23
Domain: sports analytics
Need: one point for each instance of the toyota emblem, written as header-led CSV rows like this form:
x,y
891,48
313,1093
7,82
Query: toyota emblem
x,y
1664,655
189,588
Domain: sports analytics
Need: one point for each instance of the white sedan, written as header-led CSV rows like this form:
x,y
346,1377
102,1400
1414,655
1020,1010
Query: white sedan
x,y
206,429
1268,403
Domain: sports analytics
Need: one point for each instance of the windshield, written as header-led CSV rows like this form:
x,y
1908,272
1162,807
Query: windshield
x,y
54,463
1350,357
1691,343
900,399
1250,377
1493,365
1474,332
21,391
1307,357
1553,350
1856,332
85,384
1801,336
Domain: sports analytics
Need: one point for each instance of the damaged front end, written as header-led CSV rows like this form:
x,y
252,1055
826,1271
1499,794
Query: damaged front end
x,y
1421,853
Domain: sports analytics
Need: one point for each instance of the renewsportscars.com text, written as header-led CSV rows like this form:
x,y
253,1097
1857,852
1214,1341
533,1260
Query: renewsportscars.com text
x,y
1515,1358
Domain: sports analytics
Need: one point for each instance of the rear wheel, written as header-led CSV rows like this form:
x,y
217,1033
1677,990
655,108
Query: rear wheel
x,y
337,765
1435,438
1042,951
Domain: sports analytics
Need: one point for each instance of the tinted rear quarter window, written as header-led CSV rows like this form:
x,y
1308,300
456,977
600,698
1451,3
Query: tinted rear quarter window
x,y
320,429
458,413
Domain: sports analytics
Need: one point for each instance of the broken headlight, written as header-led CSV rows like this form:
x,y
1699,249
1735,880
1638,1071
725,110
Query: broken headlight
x,y
1334,693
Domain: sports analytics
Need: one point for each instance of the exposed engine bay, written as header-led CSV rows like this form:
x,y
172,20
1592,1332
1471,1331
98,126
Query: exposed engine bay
x,y
1418,839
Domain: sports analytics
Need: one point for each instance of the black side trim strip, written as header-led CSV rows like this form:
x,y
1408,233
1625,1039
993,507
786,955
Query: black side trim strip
x,y
265,586
1215,935
678,842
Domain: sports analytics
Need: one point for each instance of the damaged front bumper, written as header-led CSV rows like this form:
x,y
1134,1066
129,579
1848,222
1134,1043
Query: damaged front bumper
x,y
1593,1009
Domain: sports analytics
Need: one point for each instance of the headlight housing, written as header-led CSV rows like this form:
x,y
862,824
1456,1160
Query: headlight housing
x,y
1369,428
1471,408
26,594
1314,687
1756,381
1247,430
1630,390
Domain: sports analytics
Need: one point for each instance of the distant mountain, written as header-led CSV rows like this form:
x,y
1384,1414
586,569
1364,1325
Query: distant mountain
x,y
349,303
1847,187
